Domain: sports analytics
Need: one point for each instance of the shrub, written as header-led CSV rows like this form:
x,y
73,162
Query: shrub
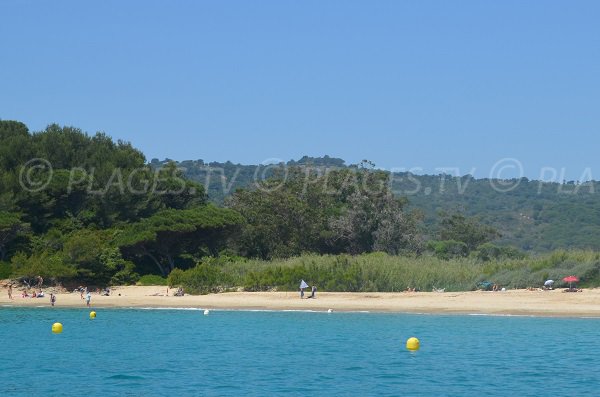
x,y
126,276
5,270
383,272
204,278
448,249
152,279
489,251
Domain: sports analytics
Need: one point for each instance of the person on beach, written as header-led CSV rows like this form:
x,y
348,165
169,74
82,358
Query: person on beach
x,y
88,298
52,299
10,292
303,285
313,292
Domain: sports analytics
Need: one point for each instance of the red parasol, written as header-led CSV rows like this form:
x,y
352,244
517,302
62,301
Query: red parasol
x,y
571,279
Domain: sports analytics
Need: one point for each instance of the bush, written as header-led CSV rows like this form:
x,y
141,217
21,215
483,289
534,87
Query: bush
x,y
152,279
204,278
125,276
5,270
49,266
489,251
448,249
383,272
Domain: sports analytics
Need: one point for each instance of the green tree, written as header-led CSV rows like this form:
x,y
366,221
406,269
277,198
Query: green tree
x,y
11,228
457,227
171,234
309,209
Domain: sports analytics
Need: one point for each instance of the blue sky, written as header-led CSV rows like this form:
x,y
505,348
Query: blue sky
x,y
421,84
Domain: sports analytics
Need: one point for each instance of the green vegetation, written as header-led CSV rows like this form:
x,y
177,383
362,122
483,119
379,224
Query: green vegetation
x,y
345,211
531,215
383,272
80,209
152,279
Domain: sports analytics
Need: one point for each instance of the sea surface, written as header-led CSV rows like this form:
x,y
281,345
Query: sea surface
x,y
169,352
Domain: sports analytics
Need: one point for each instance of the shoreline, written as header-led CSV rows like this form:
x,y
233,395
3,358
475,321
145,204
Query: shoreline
x,y
553,303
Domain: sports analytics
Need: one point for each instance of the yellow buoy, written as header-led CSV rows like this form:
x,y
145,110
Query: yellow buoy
x,y
412,344
57,328
92,315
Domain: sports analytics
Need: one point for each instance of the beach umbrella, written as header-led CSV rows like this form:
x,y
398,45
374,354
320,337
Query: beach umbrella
x,y
549,283
570,280
303,284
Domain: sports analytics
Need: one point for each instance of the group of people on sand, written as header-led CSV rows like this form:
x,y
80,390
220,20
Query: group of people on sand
x,y
84,293
39,294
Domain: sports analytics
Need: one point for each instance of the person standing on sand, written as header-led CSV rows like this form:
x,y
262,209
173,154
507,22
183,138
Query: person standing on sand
x,y
302,286
52,299
88,298
10,292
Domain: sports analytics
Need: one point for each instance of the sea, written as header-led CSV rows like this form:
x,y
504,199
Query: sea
x,y
183,352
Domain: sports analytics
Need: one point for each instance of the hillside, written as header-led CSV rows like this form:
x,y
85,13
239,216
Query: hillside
x,y
533,215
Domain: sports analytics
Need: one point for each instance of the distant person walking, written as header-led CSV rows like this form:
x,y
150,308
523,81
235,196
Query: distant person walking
x,y
88,298
10,291
313,292
52,299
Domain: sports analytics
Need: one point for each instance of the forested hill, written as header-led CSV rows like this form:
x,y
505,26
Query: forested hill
x,y
533,215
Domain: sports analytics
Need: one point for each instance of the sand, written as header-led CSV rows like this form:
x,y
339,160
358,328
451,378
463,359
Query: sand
x,y
510,302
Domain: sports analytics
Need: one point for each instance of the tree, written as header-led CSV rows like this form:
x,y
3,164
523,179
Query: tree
x,y
11,227
457,227
170,234
309,209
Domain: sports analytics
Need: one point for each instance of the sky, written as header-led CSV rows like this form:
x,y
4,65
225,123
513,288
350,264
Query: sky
x,y
491,88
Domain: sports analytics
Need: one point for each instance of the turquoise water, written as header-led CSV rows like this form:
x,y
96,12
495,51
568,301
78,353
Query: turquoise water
x,y
233,353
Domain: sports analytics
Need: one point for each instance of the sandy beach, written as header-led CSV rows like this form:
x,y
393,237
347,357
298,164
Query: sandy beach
x,y
514,302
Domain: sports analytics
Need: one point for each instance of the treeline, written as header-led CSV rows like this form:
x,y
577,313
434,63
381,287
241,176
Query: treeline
x,y
531,215
76,208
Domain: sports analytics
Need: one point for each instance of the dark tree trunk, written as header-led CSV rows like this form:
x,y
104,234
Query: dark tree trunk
x,y
157,262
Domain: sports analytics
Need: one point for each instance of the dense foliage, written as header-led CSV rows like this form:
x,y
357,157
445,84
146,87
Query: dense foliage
x,y
532,215
382,272
345,211
78,209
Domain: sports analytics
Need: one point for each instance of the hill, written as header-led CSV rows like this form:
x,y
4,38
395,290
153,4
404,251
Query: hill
x,y
532,215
